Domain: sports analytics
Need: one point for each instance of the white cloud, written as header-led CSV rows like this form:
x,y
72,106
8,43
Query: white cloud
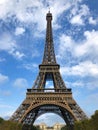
x,y
25,11
34,12
84,11
3,78
4,8
79,13
17,54
91,84
80,59
92,21
2,1
77,20
6,43
82,69
19,31
9,45
30,66
66,44
20,83
87,47
78,83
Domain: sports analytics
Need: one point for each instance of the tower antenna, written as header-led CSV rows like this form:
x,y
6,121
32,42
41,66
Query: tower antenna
x,y
48,8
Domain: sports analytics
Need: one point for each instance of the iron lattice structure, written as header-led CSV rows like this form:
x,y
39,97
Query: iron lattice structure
x,y
40,100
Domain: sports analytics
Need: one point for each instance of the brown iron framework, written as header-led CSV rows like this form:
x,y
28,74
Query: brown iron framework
x,y
40,100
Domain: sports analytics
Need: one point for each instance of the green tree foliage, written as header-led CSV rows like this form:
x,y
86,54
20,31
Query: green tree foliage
x,y
88,124
67,128
1,120
9,125
64,128
82,125
31,127
94,121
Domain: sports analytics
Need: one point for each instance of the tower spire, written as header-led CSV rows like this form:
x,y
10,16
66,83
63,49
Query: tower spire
x,y
49,9
49,54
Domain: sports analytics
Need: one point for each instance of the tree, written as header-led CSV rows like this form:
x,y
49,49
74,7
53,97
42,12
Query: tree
x,y
63,128
88,124
8,125
94,120
1,120
66,128
29,127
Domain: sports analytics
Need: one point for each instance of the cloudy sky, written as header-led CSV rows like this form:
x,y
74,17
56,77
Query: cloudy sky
x,y
22,38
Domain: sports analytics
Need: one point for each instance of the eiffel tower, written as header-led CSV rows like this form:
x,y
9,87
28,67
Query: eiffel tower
x,y
40,100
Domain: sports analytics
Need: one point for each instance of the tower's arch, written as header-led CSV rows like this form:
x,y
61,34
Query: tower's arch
x,y
42,108
50,119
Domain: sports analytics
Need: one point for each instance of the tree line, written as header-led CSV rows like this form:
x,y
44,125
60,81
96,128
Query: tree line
x,y
87,124
10,125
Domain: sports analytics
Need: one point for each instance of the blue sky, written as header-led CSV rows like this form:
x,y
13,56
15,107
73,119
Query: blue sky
x,y
22,38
